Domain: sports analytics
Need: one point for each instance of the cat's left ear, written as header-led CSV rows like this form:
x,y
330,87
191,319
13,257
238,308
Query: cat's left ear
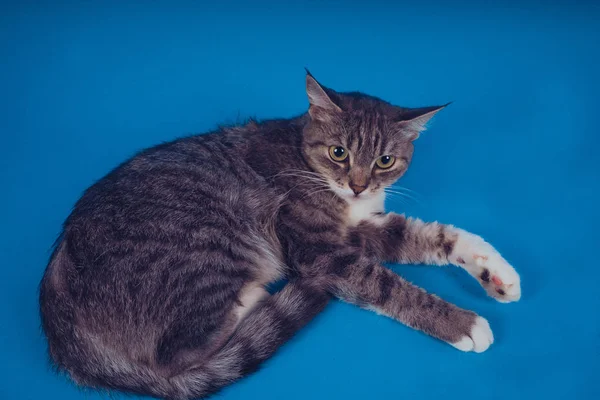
x,y
413,121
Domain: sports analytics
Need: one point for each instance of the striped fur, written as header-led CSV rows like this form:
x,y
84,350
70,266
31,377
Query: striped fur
x,y
157,283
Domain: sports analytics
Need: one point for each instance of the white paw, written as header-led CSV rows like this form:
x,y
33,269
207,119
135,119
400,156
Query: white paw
x,y
480,338
483,262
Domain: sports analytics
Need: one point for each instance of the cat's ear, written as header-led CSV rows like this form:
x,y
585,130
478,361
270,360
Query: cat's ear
x,y
321,106
413,121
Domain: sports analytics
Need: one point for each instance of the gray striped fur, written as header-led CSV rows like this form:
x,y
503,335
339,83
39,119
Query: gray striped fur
x,y
159,259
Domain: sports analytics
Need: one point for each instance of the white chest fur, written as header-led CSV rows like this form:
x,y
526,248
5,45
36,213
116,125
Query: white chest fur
x,y
360,209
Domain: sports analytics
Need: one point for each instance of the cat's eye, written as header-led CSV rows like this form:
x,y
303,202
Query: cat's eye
x,y
384,162
338,153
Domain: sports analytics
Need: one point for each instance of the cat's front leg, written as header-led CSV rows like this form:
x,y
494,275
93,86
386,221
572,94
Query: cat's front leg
x,y
394,238
484,263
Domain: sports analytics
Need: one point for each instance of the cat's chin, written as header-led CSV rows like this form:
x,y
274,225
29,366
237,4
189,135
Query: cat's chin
x,y
349,196
352,198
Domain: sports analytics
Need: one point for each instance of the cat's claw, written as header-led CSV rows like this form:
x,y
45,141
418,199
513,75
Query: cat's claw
x,y
479,339
482,261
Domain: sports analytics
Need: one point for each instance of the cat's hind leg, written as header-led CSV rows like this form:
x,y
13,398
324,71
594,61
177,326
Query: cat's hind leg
x,y
263,330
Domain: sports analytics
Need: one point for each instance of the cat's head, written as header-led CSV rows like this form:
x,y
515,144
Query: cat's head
x,y
358,143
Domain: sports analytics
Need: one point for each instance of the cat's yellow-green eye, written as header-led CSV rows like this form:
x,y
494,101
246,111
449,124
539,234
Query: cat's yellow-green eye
x,y
338,153
384,162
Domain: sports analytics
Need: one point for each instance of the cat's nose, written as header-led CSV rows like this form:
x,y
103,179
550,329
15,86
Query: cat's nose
x,y
357,189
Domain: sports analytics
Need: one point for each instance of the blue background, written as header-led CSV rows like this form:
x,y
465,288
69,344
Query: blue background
x,y
85,85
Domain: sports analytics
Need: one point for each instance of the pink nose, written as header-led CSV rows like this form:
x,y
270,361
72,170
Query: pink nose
x,y
357,189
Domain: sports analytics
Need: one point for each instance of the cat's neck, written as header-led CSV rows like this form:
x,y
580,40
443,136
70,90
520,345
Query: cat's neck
x,y
364,209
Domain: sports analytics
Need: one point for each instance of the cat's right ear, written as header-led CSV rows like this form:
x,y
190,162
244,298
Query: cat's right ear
x,y
321,107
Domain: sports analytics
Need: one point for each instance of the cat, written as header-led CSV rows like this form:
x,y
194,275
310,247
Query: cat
x,y
157,283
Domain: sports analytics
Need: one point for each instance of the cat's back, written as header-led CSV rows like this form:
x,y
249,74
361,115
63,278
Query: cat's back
x,y
169,240
174,191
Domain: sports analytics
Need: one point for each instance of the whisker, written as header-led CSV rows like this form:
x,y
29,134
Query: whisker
x,y
400,199
402,188
401,195
299,173
303,173
315,192
405,194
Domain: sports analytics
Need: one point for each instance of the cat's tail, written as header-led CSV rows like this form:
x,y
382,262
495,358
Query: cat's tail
x,y
257,337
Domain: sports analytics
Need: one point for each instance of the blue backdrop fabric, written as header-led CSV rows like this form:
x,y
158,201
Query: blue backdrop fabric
x,y
84,85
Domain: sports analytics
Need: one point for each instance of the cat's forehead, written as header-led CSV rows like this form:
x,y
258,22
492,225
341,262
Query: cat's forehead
x,y
364,125
368,118
368,132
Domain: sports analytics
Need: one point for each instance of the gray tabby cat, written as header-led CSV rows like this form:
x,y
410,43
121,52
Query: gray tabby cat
x,y
157,283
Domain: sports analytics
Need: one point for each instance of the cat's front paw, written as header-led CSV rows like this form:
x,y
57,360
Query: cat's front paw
x,y
482,261
499,279
478,339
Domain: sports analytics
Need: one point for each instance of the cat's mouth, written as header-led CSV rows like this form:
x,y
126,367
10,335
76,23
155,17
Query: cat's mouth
x,y
350,196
